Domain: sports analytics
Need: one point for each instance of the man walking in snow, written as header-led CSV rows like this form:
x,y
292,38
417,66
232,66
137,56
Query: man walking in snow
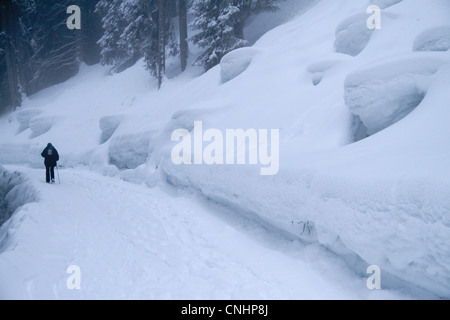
x,y
51,157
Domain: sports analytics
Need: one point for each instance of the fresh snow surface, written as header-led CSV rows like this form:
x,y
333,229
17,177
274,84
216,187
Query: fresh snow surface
x,y
363,179
133,242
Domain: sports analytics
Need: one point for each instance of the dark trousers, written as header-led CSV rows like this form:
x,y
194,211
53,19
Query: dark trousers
x,y
49,173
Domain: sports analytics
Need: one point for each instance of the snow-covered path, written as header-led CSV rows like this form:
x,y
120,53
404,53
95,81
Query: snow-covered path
x,y
133,242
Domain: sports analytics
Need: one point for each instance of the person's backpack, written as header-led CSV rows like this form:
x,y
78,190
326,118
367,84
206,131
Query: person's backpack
x,y
50,152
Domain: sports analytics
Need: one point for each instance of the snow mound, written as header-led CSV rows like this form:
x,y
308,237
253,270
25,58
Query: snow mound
x,y
24,117
236,62
109,125
352,35
384,94
40,125
14,193
130,150
435,39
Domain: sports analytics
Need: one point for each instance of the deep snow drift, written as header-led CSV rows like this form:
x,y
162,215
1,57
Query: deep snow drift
x,y
363,122
14,193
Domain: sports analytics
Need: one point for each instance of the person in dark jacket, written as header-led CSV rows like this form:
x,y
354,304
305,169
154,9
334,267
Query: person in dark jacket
x,y
51,157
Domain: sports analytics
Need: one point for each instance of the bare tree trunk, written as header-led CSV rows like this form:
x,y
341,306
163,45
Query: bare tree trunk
x,y
172,9
161,41
7,18
184,47
239,29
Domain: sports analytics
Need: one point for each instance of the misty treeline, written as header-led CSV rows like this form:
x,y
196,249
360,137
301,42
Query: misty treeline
x,y
37,49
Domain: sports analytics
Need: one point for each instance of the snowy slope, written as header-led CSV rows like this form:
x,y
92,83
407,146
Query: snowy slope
x,y
325,82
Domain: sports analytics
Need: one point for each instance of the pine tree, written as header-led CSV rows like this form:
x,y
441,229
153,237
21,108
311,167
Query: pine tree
x,y
131,30
121,42
10,89
38,50
221,25
51,52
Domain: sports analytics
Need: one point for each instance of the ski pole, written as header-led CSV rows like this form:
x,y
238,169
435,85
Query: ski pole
x,y
57,171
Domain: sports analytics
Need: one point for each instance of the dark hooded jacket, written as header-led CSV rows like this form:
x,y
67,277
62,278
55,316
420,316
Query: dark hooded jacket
x,y
51,156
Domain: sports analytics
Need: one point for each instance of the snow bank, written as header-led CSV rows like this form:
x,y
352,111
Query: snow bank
x,y
14,193
435,39
132,242
25,116
130,150
236,62
383,94
109,125
40,125
352,35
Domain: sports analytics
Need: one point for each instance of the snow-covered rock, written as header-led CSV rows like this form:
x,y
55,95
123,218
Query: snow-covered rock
x,y
385,93
24,116
40,125
14,193
129,151
435,39
236,62
352,35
